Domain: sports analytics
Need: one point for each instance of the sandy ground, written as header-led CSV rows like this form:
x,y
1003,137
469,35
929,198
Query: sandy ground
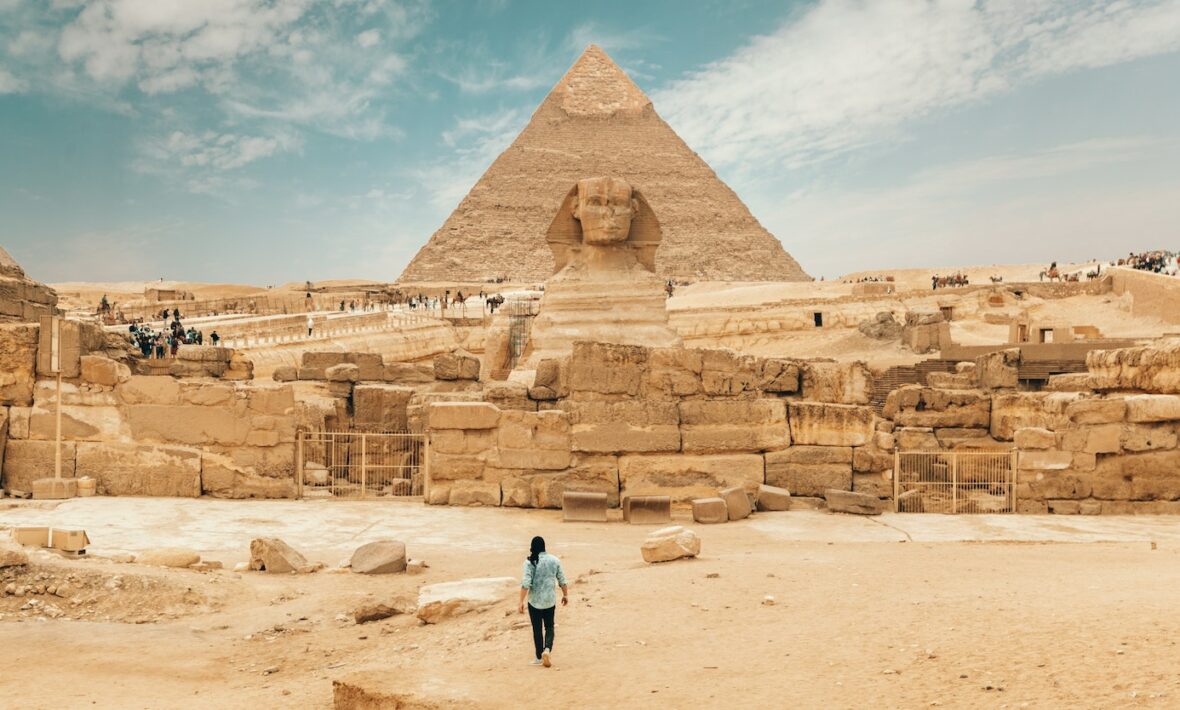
x,y
898,611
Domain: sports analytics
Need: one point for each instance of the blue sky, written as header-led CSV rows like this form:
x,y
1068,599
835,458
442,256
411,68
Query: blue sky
x,y
264,141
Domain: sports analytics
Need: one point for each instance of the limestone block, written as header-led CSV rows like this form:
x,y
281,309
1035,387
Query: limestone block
x,y
126,469
945,408
865,460
671,543
344,372
917,439
837,382
957,437
598,474
437,602
810,470
463,415
285,373
1045,460
578,506
407,373
720,426
1099,439
227,476
379,557
18,363
340,389
538,459
437,493
607,368
673,372
737,502
456,365
448,467
190,425
470,493
709,511
464,442
1034,438
206,394
884,440
874,484
1153,408
178,557
830,424
270,554
1096,411
1151,368
150,389
26,461
1147,437
11,553
998,370
647,510
687,477
1154,475
623,426
509,395
950,381
18,422
772,498
103,371
549,374
533,440
726,373
80,395
382,405
516,492
278,400
840,501
1016,410
1055,483
778,376
78,423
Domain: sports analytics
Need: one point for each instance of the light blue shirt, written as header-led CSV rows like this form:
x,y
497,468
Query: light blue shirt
x,y
542,580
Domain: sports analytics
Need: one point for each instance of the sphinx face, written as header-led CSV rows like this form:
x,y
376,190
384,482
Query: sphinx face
x,y
605,208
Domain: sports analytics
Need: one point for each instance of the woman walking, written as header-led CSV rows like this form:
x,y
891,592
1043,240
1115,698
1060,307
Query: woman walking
x,y
542,573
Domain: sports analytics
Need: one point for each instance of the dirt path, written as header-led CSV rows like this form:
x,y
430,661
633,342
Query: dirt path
x,y
854,623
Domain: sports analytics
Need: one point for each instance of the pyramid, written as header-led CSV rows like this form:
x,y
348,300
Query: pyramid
x,y
597,122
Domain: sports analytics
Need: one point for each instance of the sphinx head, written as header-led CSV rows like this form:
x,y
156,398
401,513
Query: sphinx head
x,y
605,207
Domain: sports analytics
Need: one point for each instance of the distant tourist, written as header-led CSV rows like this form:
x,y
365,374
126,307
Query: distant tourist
x,y
310,325
539,581
160,346
214,338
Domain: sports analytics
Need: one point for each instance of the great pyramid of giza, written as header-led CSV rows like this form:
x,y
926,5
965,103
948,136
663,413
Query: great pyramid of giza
x,y
597,122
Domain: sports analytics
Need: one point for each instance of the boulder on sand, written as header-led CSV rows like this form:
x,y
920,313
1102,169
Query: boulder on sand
x,y
375,611
670,543
439,601
856,503
168,557
380,557
11,553
270,554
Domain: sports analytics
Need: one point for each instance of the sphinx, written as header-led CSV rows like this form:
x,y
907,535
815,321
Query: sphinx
x,y
604,288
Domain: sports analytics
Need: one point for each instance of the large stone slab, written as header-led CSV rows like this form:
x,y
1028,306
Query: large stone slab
x,y
671,543
18,363
733,425
379,557
773,498
26,461
709,511
121,469
437,602
583,507
190,425
856,503
737,502
687,477
381,406
810,470
1153,408
463,415
270,554
623,426
814,423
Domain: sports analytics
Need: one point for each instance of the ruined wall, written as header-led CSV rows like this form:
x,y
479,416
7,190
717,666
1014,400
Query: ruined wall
x,y
1152,295
629,420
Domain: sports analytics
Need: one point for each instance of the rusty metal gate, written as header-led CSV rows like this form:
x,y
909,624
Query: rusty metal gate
x,y
954,481
361,464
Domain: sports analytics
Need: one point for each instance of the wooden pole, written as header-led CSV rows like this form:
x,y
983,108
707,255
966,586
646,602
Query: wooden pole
x,y
57,436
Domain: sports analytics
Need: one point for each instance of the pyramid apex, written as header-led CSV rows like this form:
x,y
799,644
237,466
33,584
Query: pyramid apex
x,y
596,86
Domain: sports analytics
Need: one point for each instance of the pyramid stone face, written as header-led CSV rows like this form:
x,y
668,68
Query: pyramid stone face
x,y
22,300
597,122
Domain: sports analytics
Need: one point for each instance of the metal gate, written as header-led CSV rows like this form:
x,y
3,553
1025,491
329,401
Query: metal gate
x,y
360,464
520,325
954,481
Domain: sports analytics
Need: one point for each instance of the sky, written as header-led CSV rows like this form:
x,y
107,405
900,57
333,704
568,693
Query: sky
x,y
269,141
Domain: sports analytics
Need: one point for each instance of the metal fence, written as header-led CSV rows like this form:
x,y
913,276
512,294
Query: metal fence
x,y
361,464
520,323
954,481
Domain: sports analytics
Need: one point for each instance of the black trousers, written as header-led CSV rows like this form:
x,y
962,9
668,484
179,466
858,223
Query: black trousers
x,y
539,617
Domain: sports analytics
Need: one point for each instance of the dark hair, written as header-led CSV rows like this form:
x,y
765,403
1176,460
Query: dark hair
x,y
535,549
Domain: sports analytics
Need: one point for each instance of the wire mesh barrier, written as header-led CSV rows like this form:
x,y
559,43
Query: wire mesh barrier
x,y
954,481
361,464
520,322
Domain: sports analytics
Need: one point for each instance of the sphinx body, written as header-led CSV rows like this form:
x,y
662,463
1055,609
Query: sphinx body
x,y
605,289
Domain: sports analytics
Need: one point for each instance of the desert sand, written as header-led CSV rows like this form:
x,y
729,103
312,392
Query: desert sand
x,y
903,611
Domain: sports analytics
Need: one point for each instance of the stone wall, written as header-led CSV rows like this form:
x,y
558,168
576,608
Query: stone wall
x,y
629,420
155,435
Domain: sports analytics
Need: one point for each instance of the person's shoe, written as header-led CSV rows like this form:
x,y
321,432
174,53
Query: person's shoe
x,y
535,662
545,658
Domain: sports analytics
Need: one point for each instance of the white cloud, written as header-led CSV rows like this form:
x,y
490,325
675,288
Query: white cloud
x,y
10,84
476,142
843,74
368,38
1096,198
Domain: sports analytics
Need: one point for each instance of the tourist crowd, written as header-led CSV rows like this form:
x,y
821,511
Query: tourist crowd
x,y
166,341
1159,262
